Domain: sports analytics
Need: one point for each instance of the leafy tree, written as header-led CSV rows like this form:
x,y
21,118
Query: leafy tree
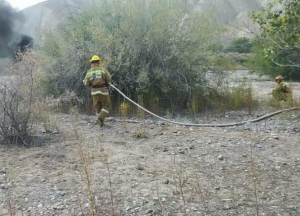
x,y
280,37
156,48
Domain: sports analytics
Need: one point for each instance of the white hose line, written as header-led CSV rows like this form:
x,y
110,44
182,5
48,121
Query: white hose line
x,y
205,125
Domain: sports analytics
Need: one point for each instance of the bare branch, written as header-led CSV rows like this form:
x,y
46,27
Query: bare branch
x,y
286,65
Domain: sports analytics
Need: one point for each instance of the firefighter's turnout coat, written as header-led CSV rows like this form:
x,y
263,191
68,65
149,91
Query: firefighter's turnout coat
x,y
98,78
282,92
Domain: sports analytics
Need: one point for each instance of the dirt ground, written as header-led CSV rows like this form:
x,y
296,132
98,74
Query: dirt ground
x,y
149,167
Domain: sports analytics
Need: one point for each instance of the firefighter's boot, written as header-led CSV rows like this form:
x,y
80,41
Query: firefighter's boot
x,y
101,122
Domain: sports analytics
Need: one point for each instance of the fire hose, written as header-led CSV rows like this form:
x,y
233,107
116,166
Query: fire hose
x,y
206,125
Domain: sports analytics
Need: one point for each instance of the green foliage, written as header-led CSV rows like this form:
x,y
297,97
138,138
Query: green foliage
x,y
157,49
240,45
279,23
261,65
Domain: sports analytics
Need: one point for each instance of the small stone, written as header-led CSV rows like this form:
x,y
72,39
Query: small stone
x,y
165,149
3,186
80,214
3,171
167,181
192,147
87,205
40,206
226,208
217,188
221,158
150,211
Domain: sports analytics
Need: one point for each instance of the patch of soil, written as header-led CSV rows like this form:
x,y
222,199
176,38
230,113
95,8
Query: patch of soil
x,y
170,170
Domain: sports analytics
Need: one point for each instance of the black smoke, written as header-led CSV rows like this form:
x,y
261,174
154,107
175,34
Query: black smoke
x,y
11,39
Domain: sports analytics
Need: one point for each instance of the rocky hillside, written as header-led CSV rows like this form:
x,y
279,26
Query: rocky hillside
x,y
49,13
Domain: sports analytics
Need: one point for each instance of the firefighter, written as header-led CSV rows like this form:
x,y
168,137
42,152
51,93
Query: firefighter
x,y
282,92
99,79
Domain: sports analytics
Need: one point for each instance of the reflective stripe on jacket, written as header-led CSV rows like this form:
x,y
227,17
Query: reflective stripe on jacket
x,y
97,76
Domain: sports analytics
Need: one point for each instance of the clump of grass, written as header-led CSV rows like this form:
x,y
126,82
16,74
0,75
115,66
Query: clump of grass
x,y
241,97
140,112
226,99
140,135
124,108
85,160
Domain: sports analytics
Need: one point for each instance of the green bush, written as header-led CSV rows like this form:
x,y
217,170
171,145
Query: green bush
x,y
158,49
240,45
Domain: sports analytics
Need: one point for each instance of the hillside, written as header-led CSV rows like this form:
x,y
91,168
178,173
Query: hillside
x,y
49,13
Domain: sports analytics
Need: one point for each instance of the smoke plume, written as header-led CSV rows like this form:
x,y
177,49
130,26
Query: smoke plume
x,y
11,40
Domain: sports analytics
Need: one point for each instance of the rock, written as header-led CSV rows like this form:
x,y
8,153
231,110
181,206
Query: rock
x,y
3,186
40,206
80,214
226,207
191,147
165,149
221,158
150,211
217,188
3,171
167,181
87,205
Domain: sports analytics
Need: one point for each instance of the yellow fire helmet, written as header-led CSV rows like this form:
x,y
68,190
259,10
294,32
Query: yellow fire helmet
x,y
95,58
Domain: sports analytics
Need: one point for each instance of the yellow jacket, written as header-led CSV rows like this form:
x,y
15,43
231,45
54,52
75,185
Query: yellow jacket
x,y
98,78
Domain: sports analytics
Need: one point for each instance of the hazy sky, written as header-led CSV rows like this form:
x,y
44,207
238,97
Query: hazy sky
x,y
21,4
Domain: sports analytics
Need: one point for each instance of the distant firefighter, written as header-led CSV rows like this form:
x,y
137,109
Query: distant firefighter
x,y
282,92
